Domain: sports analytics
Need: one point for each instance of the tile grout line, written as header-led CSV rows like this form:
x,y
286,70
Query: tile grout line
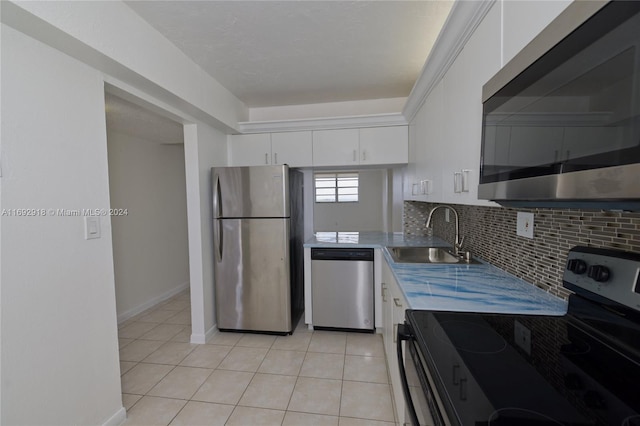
x,y
238,344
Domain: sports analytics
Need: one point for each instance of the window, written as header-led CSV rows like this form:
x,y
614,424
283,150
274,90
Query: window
x,y
336,187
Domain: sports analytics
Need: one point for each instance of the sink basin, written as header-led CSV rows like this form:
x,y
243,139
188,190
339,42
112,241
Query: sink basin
x,y
425,255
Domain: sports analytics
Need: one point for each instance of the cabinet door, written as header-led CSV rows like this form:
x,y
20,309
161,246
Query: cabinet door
x,y
458,140
389,292
430,148
410,177
292,148
384,145
336,147
398,307
462,104
387,312
523,20
249,150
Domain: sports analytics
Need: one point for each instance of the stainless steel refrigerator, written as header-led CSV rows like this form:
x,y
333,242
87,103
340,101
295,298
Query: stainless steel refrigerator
x,y
258,254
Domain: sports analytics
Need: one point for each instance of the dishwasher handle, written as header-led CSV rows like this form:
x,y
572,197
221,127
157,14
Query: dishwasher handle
x,y
363,254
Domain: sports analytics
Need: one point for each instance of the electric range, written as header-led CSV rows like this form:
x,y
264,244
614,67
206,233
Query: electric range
x,y
582,368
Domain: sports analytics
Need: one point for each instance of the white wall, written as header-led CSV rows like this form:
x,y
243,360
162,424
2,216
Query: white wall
x,y
204,147
59,334
150,245
112,38
365,215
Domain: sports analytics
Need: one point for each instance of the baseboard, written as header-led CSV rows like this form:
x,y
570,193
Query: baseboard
x,y
117,419
204,338
152,302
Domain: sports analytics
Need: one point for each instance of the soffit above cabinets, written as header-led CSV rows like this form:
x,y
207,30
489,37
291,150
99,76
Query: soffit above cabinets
x,y
134,120
272,53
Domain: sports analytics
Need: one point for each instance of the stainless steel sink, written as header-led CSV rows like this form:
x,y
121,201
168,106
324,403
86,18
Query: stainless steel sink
x,y
425,255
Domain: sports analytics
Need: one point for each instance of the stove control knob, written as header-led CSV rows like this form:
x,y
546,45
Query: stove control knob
x,y
599,273
577,266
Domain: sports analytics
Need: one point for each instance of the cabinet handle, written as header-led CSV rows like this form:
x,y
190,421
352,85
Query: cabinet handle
x,y
396,301
266,158
276,158
454,374
395,333
425,187
465,180
354,155
384,292
463,389
364,155
457,182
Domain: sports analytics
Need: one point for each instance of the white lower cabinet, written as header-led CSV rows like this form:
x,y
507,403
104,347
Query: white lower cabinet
x,y
393,306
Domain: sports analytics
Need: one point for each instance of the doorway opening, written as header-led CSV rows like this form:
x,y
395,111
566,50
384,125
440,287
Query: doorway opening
x,y
147,188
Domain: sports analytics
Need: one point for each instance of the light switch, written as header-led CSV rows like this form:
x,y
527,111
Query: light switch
x,y
524,226
91,227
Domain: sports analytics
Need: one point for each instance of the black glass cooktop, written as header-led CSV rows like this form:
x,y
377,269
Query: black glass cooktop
x,y
496,369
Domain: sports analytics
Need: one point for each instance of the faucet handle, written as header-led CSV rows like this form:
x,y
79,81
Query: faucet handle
x,y
458,247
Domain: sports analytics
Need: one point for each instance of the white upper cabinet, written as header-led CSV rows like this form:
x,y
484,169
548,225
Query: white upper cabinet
x,y
342,147
259,149
249,150
523,20
292,148
446,133
384,145
336,147
427,150
349,147
448,127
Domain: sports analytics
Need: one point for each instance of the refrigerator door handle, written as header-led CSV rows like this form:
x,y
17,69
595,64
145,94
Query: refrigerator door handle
x,y
217,209
220,239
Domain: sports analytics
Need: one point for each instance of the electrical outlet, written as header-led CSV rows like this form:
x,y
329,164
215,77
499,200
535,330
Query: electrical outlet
x,y
522,337
524,226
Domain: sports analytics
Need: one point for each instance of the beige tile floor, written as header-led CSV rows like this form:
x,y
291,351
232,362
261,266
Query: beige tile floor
x,y
308,378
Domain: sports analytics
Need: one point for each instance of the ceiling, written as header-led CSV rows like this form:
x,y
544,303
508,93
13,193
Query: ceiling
x,y
273,53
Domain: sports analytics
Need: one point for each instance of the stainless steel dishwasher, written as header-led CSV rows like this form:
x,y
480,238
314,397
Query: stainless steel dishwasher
x,y
342,288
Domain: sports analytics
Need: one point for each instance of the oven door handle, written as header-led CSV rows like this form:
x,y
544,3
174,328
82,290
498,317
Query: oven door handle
x,y
404,333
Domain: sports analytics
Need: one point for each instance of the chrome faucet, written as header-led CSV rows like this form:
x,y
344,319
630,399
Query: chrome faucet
x,y
457,244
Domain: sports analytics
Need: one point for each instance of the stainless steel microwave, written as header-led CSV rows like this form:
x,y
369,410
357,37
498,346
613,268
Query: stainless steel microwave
x,y
561,121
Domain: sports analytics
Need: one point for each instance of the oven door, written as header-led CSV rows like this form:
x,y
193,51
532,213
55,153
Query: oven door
x,y
423,406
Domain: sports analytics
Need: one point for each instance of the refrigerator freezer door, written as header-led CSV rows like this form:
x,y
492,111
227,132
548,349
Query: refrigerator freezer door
x,y
261,191
252,284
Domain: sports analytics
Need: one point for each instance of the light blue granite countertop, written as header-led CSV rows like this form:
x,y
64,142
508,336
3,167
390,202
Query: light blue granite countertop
x,y
464,288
